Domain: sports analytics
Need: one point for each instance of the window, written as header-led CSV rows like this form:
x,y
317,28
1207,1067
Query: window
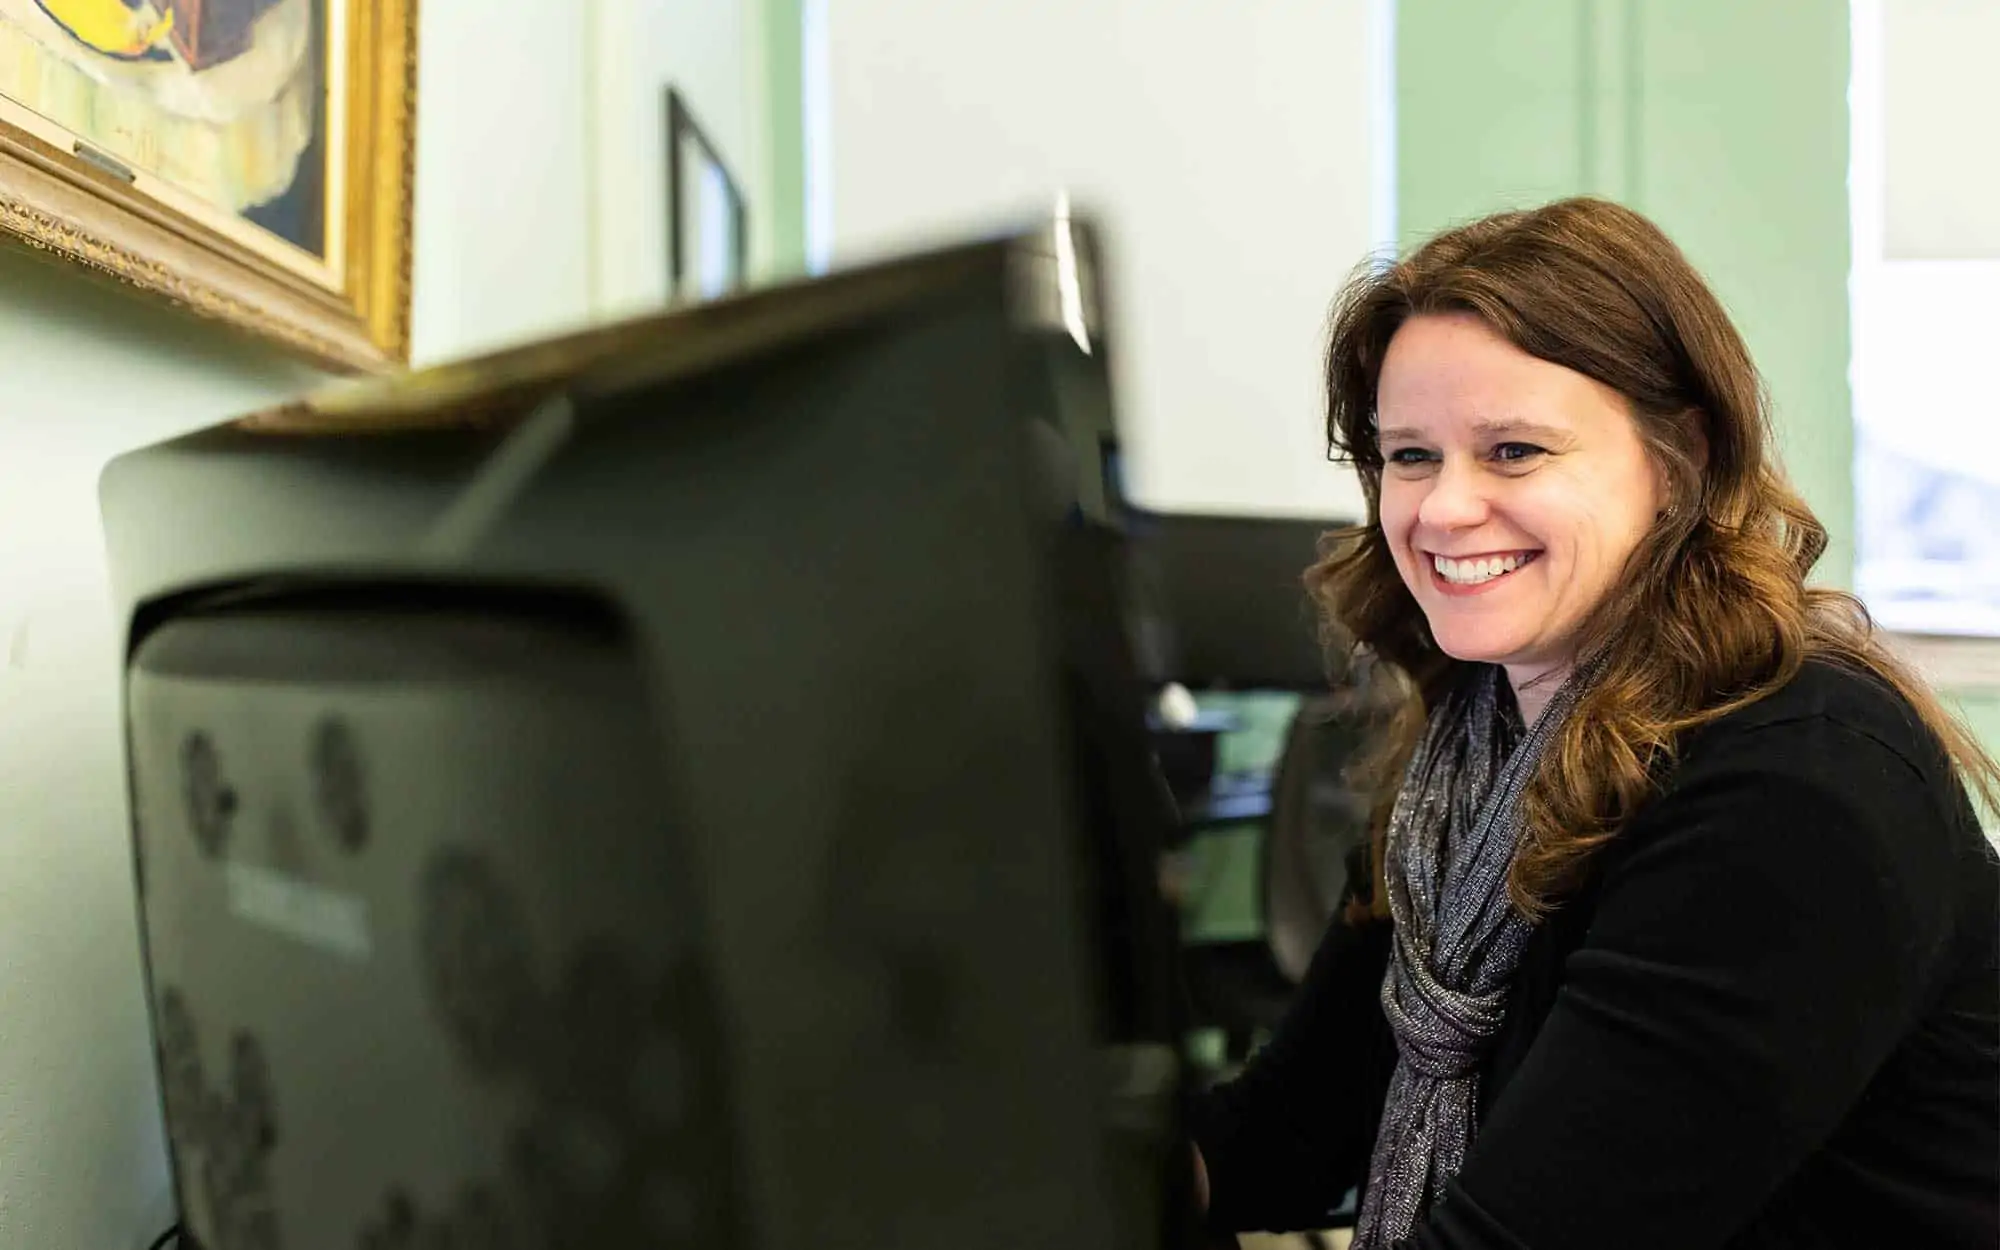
x,y
1925,293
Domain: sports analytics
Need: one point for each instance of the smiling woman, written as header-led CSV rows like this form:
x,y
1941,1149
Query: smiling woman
x,y
1684,933
1507,531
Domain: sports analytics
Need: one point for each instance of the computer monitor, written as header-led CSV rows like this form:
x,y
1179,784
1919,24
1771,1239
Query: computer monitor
x,y
1222,599
681,785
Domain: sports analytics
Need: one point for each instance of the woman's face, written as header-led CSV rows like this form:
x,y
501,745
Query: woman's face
x,y
1513,491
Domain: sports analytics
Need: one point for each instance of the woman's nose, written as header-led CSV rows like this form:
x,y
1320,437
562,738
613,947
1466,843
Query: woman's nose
x,y
1455,499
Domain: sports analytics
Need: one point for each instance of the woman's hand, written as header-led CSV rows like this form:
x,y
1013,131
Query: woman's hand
x,y
1215,1241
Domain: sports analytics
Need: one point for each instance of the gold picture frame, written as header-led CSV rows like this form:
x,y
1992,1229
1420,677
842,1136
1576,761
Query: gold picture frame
x,y
94,160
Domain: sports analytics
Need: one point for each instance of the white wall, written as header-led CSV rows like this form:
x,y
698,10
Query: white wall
x,y
88,372
503,239
543,201
712,51
1226,146
1941,113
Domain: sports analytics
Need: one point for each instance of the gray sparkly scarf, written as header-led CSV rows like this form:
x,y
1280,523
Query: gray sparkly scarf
x,y
1451,840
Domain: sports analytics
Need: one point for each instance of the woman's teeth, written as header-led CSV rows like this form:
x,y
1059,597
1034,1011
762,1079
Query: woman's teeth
x,y
1473,572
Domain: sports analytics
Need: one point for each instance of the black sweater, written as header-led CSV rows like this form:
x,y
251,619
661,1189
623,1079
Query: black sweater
x,y
1771,1018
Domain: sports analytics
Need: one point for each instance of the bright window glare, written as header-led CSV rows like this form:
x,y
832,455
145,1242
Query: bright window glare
x,y
817,100
1927,419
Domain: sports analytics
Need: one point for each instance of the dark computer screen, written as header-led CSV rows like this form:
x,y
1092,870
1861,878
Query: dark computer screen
x,y
1221,600
690,794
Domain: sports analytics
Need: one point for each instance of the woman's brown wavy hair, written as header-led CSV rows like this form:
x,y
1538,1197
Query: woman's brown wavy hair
x,y
1713,611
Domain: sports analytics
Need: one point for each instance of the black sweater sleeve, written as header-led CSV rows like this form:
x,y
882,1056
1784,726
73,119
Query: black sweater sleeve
x,y
1287,1139
1764,936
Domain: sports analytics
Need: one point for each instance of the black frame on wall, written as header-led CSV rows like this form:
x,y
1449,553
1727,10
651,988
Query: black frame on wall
x,y
683,131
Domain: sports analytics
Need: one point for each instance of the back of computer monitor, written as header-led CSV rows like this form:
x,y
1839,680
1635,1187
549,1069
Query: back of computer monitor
x,y
691,848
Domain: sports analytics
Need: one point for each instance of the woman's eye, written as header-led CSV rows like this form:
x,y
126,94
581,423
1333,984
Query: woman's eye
x,y
1516,451
1409,455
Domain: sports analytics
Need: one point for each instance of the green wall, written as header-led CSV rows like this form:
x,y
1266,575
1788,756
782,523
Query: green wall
x,y
784,93
1725,122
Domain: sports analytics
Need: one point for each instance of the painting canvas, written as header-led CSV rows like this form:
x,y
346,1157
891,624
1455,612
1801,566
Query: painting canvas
x,y
265,131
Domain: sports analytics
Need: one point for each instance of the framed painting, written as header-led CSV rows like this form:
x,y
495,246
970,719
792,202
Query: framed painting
x,y
708,229
250,160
